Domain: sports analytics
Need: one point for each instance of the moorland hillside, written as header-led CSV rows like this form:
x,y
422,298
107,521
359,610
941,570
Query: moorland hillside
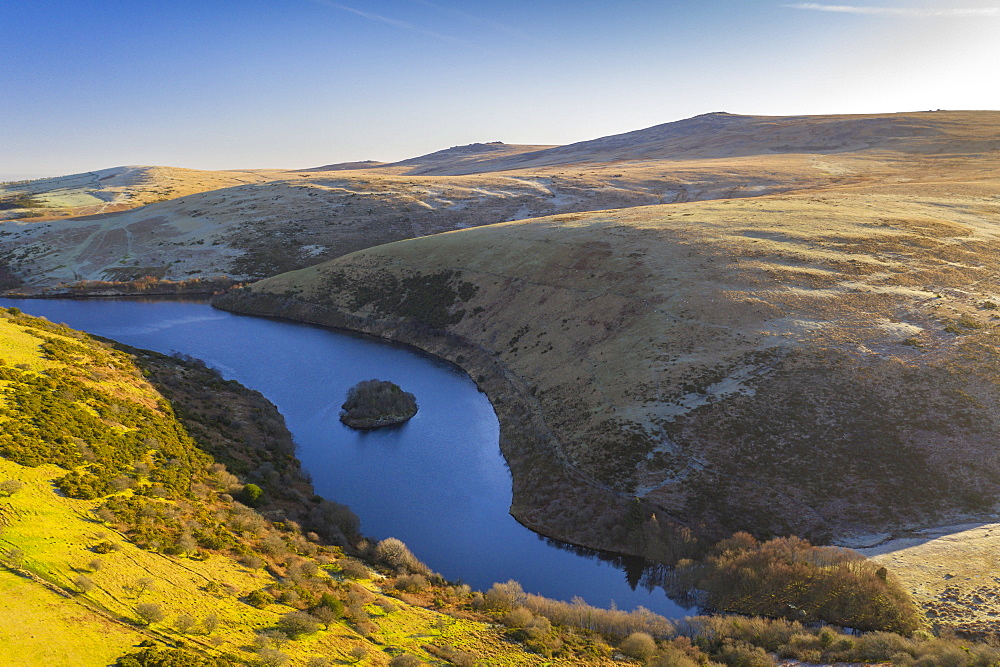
x,y
820,363
123,526
249,225
111,190
127,539
723,135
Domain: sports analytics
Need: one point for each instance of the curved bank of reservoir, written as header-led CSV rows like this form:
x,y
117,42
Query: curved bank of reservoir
x,y
438,482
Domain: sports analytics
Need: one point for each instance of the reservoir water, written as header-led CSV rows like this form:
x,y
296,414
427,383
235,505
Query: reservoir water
x,y
439,482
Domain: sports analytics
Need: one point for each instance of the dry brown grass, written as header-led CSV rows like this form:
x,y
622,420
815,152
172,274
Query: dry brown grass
x,y
817,363
258,223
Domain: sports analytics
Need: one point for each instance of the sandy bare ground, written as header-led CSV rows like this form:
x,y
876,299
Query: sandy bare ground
x,y
952,571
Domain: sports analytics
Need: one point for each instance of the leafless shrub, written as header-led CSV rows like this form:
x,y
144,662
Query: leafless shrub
x,y
639,645
612,622
504,597
411,583
395,554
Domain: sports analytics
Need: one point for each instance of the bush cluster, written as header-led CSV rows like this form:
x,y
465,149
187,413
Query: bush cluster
x,y
552,628
66,417
20,200
609,622
434,299
171,657
757,641
789,578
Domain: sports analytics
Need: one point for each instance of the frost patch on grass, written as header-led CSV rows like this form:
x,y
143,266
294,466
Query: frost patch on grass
x,y
899,330
897,290
312,250
522,213
558,200
791,326
825,293
733,385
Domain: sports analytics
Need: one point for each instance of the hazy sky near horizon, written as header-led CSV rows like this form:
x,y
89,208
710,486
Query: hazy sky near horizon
x,y
208,84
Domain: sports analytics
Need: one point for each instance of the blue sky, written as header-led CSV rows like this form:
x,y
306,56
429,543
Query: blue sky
x,y
88,84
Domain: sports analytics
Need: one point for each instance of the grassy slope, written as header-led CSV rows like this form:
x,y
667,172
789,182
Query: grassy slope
x,y
56,536
42,627
951,571
261,229
256,224
820,364
117,189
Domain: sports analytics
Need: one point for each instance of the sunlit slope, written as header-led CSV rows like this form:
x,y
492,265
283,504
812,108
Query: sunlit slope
x,y
725,135
116,528
454,159
256,224
258,230
809,364
462,159
115,189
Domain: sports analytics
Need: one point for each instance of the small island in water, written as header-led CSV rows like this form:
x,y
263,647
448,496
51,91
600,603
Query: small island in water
x,y
377,403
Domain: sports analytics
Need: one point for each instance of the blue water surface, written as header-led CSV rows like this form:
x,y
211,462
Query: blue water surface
x,y
439,482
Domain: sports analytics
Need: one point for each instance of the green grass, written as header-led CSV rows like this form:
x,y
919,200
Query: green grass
x,y
56,535
70,582
37,627
19,346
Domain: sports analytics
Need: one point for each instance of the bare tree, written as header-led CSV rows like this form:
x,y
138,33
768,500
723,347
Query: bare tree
x,y
210,623
83,584
142,585
184,623
9,487
150,612
405,660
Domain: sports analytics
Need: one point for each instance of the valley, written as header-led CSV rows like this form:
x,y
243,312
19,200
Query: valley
x,y
780,325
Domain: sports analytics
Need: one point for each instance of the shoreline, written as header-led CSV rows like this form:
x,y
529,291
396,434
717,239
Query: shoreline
x,y
200,297
541,483
370,424
203,288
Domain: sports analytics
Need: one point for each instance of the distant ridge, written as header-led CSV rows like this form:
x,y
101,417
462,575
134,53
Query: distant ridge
x,y
467,158
346,166
185,223
725,135
457,158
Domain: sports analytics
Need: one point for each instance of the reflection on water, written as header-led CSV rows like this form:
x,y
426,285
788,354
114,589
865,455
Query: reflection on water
x,y
437,482
639,572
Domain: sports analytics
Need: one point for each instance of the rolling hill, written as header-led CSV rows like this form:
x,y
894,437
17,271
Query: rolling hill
x,y
781,325
110,190
126,539
819,362
723,135
254,224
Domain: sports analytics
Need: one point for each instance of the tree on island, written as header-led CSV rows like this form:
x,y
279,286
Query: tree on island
x,y
376,403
